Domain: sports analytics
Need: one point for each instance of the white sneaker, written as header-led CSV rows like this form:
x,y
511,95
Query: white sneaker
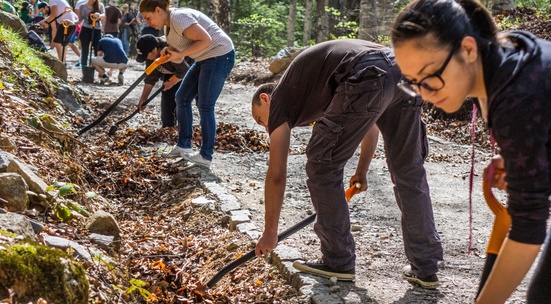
x,y
198,160
179,152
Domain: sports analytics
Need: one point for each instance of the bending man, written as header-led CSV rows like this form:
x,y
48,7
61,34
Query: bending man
x,y
354,87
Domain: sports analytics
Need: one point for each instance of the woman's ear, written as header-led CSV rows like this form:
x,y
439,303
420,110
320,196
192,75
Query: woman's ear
x,y
469,48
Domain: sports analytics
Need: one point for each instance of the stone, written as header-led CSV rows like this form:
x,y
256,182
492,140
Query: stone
x,y
57,66
104,223
5,159
14,191
17,224
202,202
37,271
6,144
13,22
238,217
61,243
35,183
283,59
105,242
65,94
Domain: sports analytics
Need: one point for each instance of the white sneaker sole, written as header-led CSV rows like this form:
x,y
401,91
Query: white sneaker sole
x,y
326,274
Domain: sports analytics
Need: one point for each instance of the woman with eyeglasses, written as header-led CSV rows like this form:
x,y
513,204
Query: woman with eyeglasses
x,y
448,50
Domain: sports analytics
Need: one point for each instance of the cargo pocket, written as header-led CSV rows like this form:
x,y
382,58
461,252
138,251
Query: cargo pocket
x,y
325,135
363,91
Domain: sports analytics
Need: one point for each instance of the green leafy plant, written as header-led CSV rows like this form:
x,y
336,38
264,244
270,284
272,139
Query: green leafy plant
x,y
64,208
138,285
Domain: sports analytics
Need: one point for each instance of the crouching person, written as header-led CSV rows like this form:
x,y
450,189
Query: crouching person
x,y
110,55
149,49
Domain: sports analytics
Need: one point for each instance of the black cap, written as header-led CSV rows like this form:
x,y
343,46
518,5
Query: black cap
x,y
145,45
42,5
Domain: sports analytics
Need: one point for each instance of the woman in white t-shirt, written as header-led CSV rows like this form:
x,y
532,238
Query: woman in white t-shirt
x,y
191,33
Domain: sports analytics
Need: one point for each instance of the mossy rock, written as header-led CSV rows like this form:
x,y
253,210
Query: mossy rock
x,y
36,271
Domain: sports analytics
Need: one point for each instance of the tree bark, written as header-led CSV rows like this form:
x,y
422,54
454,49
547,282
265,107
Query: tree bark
x,y
368,20
222,11
291,22
323,21
307,23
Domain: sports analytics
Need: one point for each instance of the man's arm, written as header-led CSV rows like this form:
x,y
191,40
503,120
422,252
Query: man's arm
x,y
368,146
274,188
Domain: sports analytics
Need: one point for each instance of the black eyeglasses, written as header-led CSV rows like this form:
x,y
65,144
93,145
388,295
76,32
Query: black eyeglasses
x,y
430,83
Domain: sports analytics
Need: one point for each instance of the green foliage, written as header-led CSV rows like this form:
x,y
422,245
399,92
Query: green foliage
x,y
138,285
259,36
539,5
64,208
25,57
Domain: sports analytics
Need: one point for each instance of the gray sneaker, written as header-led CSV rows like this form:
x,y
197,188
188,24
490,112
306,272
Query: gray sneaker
x,y
198,160
428,282
179,152
320,269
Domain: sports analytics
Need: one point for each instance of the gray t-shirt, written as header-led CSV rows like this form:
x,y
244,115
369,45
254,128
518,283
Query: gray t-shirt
x,y
84,14
182,18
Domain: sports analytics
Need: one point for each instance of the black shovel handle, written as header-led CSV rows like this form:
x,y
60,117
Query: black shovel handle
x,y
148,71
127,118
285,234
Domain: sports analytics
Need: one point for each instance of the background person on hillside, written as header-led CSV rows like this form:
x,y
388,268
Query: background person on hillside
x,y
354,87
25,13
60,11
35,11
149,48
89,37
145,29
194,34
112,56
127,23
460,53
112,20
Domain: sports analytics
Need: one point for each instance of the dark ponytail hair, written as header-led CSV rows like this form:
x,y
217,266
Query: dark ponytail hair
x,y
448,20
150,5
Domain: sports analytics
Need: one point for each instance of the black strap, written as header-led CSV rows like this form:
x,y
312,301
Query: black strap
x,y
65,10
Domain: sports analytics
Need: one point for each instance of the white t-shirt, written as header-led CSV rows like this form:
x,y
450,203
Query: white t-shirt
x,y
182,18
61,6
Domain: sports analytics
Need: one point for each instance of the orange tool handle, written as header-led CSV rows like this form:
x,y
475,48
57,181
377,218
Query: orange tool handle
x,y
94,18
156,63
352,190
66,24
502,221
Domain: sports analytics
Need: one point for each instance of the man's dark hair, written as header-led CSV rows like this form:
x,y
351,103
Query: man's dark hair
x,y
267,88
42,5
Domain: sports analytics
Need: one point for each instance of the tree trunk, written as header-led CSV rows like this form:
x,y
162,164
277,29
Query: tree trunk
x,y
223,14
291,22
500,6
368,20
307,23
323,21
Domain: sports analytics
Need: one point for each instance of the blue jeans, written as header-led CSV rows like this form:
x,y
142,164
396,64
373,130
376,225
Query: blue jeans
x,y
124,38
204,80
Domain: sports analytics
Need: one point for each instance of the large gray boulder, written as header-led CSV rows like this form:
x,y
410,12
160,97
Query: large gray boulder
x,y
104,223
14,22
57,66
283,59
35,183
29,272
17,224
14,191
